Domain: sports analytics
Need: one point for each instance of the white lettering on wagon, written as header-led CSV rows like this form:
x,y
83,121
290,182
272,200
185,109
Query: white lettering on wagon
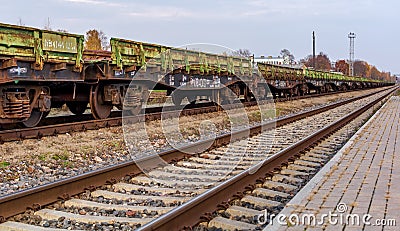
x,y
55,42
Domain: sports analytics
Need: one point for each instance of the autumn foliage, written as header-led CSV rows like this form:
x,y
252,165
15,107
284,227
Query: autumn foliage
x,y
96,40
322,62
361,68
342,66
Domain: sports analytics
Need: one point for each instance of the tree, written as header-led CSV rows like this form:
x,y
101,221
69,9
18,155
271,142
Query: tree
x,y
286,53
322,62
96,40
375,73
361,68
242,52
342,66
387,76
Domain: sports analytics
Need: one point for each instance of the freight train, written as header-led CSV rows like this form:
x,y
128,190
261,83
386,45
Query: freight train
x,y
41,69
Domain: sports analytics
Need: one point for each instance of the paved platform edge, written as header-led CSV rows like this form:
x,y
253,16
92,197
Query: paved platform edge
x,y
306,190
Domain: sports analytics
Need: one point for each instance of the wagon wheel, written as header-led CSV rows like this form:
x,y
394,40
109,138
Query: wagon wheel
x,y
100,110
78,108
35,118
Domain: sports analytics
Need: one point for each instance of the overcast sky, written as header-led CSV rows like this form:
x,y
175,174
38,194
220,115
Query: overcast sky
x,y
263,26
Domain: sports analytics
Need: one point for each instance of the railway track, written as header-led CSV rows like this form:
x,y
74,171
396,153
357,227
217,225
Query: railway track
x,y
242,202
138,199
253,208
77,123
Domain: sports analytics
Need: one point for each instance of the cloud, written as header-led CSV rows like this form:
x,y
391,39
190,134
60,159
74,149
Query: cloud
x,y
306,7
162,13
140,10
94,2
254,13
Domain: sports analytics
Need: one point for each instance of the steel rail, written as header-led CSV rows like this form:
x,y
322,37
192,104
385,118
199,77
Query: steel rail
x,y
40,196
190,213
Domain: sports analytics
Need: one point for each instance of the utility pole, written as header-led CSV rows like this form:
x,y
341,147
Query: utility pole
x,y
313,40
352,36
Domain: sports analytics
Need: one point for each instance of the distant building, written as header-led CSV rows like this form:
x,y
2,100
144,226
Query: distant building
x,y
280,61
272,60
333,66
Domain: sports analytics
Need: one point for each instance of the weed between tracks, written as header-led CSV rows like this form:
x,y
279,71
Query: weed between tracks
x,y
4,164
